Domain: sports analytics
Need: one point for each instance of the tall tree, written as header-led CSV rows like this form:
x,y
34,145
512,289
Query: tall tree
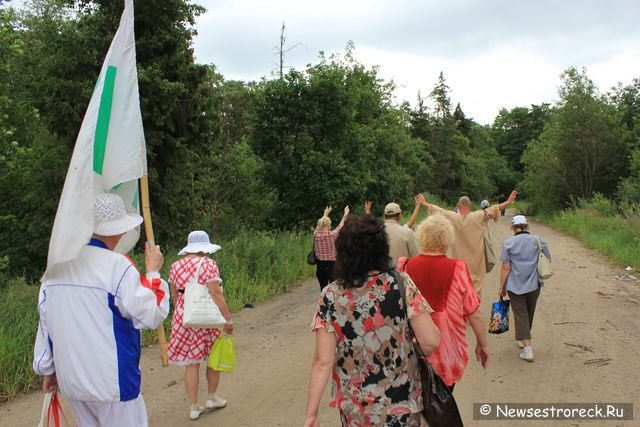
x,y
32,161
324,134
627,100
463,124
514,129
70,39
583,150
440,97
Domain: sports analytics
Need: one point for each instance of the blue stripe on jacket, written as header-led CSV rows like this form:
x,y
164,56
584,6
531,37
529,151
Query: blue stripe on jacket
x,y
128,351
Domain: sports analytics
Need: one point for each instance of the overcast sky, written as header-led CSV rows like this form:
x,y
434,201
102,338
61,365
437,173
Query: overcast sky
x,y
494,53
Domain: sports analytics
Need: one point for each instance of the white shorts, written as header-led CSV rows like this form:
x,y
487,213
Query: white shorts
x,y
132,413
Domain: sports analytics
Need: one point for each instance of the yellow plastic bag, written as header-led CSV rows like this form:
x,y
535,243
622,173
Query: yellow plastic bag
x,y
223,354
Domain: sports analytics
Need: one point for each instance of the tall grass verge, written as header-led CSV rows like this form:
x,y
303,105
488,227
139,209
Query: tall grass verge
x,y
18,324
603,227
254,266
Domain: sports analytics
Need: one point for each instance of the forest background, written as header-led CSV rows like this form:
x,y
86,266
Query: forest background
x,y
254,163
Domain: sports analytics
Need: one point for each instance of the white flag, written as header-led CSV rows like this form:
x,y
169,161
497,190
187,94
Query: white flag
x,y
109,155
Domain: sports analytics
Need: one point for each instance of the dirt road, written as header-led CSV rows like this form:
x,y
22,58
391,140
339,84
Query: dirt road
x,y
583,314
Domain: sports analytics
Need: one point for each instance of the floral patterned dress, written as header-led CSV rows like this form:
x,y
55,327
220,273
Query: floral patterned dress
x,y
188,346
375,377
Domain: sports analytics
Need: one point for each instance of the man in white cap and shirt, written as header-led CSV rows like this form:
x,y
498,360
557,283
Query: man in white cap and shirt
x,y
402,240
91,311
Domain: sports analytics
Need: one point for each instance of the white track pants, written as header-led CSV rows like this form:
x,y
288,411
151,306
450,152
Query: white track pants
x,y
132,413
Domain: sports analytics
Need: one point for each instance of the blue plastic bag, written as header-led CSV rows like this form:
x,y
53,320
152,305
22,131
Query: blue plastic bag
x,y
499,320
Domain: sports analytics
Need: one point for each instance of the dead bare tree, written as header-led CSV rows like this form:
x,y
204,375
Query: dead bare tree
x,y
281,50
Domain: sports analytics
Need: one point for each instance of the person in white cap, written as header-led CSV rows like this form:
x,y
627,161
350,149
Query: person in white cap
x,y
414,215
484,204
92,309
470,227
519,278
189,347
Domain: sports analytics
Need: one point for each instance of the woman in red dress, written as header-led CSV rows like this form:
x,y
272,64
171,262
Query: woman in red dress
x,y
448,288
189,347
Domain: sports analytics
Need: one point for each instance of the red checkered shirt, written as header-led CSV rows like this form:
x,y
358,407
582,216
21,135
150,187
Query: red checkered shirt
x,y
325,243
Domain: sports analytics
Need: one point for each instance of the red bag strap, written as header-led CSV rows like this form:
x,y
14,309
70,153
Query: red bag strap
x,y
55,410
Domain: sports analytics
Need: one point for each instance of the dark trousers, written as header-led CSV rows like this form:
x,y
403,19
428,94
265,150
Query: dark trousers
x,y
325,273
524,307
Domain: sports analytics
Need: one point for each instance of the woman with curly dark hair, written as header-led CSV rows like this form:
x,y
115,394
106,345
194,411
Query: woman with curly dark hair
x,y
362,334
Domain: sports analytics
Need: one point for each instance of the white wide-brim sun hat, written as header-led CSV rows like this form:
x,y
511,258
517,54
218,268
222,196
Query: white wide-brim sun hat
x,y
198,241
110,216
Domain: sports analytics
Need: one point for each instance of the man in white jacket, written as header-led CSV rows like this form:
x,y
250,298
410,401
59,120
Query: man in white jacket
x,y
91,311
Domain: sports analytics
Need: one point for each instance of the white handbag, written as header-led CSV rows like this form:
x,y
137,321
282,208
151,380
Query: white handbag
x,y
200,311
545,270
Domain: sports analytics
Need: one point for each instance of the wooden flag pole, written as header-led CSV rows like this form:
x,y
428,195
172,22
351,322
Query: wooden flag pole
x,y
148,230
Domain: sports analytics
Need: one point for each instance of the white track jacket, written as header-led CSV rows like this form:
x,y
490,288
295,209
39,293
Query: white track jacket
x,y
91,311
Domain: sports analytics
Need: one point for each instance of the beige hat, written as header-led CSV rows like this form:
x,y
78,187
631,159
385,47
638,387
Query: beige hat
x,y
110,216
392,209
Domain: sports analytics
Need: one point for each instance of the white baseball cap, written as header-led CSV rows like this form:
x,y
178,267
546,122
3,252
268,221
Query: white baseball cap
x,y
519,220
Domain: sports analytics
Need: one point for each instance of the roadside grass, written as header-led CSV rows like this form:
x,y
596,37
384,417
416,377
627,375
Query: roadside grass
x,y
615,235
254,266
18,323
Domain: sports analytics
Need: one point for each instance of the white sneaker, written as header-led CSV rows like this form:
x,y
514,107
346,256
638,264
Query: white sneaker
x,y
195,412
520,344
527,355
215,403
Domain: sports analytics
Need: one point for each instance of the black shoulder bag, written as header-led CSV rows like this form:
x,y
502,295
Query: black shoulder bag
x,y
311,258
440,408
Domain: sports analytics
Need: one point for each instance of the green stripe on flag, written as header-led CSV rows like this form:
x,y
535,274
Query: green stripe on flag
x,y
104,115
136,196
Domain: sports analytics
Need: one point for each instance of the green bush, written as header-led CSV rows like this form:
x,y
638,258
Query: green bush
x,y
598,204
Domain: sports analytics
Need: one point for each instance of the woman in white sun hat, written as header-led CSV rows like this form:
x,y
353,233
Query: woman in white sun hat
x,y
189,347
519,278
